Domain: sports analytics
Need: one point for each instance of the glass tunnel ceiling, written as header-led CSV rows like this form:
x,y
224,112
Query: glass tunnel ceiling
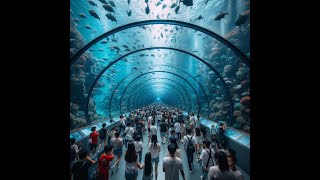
x,y
230,76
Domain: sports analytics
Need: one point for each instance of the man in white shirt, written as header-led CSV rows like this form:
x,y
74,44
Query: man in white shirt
x,y
153,129
129,137
172,165
207,159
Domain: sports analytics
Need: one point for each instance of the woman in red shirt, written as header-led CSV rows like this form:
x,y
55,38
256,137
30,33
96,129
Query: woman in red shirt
x,y
104,163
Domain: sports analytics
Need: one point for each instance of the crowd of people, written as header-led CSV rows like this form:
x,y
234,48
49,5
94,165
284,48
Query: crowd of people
x,y
211,153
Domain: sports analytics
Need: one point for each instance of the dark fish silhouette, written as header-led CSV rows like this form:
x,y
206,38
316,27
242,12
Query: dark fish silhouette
x,y
220,16
129,2
103,1
92,3
76,20
158,3
112,3
187,2
241,20
177,9
112,18
94,14
206,1
146,1
104,42
164,6
147,9
108,8
88,27
198,18
129,12
82,15
173,5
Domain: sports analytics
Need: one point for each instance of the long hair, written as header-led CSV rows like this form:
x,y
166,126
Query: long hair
x,y
131,155
148,164
198,132
154,140
222,159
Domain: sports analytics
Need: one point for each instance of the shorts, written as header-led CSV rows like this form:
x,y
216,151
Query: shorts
x,y
102,138
155,160
131,176
93,146
117,152
163,134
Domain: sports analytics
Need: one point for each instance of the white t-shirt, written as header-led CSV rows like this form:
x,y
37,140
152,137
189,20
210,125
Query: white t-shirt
x,y
186,141
205,157
216,174
177,127
192,119
238,175
154,151
129,131
131,167
171,167
138,146
153,130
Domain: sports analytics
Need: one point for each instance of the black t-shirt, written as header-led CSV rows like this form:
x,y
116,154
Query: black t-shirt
x,y
103,132
139,127
80,170
163,127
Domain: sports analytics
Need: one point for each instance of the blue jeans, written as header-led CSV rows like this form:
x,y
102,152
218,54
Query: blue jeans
x,y
140,156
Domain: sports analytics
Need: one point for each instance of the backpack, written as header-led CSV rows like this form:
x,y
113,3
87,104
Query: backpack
x,y
210,157
72,153
190,146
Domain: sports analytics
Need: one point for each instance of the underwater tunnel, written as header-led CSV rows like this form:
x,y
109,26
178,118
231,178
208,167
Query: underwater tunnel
x,y
126,55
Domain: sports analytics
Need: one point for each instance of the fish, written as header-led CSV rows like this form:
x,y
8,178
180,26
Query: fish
x,y
141,55
129,12
111,17
198,18
88,27
92,3
146,1
82,15
104,42
107,7
173,5
206,1
125,46
158,3
164,6
147,9
76,20
94,14
105,59
187,2
177,9
220,16
161,35
103,1
112,3
100,49
129,2
241,20
158,16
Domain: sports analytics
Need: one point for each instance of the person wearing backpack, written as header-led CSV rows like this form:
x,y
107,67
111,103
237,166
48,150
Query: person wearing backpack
x,y
189,145
80,170
207,159
103,135
74,151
